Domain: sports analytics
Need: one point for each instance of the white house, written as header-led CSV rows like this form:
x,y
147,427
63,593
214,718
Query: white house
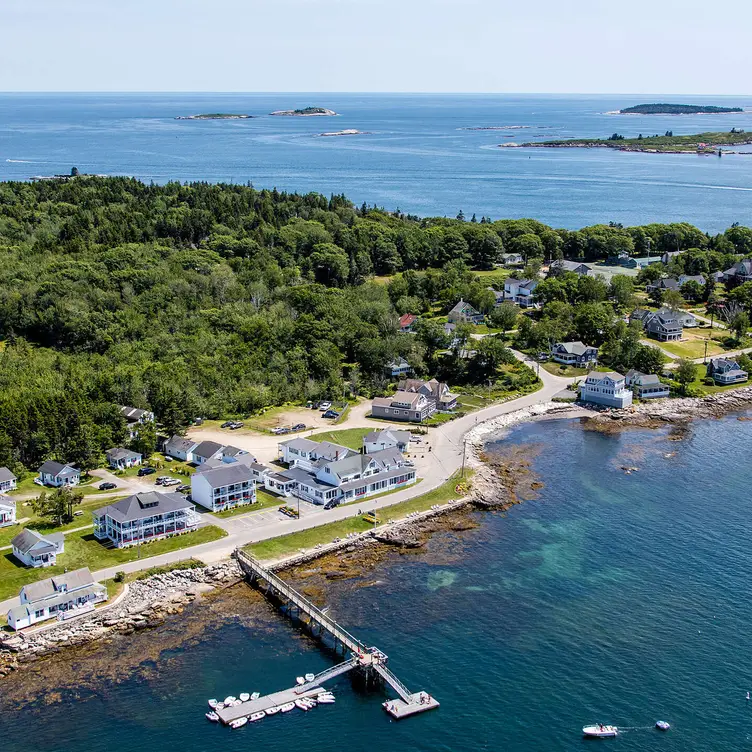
x,y
376,441
520,291
607,389
207,450
62,596
7,511
180,448
135,417
57,475
562,265
145,517
397,368
119,458
37,550
231,485
646,385
7,480
306,453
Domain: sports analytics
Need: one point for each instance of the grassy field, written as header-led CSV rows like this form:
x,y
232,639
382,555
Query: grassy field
x,y
289,544
352,438
83,550
692,344
699,383
264,500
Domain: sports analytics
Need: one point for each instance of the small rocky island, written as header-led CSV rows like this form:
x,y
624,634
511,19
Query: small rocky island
x,y
214,116
676,109
306,112
346,132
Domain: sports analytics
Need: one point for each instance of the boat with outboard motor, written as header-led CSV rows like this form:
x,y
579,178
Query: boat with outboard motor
x,y
600,731
239,723
256,716
212,716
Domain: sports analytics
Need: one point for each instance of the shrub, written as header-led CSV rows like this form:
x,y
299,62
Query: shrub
x,y
119,577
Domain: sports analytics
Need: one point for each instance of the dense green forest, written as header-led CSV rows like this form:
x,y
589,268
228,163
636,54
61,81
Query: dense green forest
x,y
215,300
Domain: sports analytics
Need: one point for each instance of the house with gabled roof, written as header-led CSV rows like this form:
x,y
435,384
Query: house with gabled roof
x,y
63,596
464,313
180,448
520,291
306,453
664,325
390,438
407,322
559,266
402,405
435,391
608,389
225,487
646,385
397,368
145,517
8,480
57,475
119,458
36,550
7,511
725,371
740,272
135,417
575,354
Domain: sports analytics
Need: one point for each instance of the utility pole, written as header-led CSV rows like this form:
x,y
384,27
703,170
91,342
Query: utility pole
x,y
464,452
705,357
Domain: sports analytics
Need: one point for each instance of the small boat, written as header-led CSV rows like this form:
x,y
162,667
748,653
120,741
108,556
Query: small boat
x,y
324,700
244,696
600,731
213,704
255,695
220,706
230,699
212,716
663,725
239,723
311,701
325,696
257,717
272,711
238,702
310,677
287,707
300,680
303,705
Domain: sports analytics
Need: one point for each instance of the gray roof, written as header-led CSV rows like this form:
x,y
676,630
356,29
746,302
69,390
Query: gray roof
x,y
376,477
599,376
28,539
36,591
374,437
207,448
28,609
231,451
132,413
227,474
645,379
387,457
6,502
574,348
56,468
464,307
303,476
6,475
355,464
569,266
181,444
302,445
120,453
142,505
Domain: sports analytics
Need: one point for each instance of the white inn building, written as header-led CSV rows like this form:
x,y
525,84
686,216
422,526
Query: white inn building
x,y
145,517
224,487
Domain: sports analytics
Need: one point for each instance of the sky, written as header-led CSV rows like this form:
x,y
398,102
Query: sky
x,y
537,46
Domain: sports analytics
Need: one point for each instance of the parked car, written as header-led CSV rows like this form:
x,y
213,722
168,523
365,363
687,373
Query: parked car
x,y
168,459
171,482
324,405
299,427
162,480
237,424
107,486
280,430
183,488
330,414
227,424
331,504
146,471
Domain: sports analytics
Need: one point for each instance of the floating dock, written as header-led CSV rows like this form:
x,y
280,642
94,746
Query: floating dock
x,y
367,663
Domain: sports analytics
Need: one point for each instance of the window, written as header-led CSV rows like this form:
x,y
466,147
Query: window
x,y
39,614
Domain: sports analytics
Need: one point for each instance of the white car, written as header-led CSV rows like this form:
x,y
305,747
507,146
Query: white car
x,y
324,406
171,482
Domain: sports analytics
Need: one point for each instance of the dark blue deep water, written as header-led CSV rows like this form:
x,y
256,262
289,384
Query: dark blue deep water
x,y
415,156
611,597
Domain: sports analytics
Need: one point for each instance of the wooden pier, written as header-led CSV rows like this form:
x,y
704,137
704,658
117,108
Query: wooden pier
x,y
369,664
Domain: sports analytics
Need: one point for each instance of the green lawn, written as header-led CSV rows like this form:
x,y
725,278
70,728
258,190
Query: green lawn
x,y
289,544
352,438
83,550
264,500
699,383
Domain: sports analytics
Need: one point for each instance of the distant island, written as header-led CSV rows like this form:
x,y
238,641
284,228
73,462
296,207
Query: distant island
x,y
667,144
214,116
306,112
346,132
676,109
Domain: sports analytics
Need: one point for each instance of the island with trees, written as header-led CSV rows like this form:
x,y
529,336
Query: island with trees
x,y
677,109
215,116
668,143
306,112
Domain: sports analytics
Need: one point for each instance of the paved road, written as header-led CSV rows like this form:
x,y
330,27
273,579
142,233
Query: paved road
x,y
435,467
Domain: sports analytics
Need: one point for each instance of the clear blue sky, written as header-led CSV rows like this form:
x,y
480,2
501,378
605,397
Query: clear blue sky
x,y
637,46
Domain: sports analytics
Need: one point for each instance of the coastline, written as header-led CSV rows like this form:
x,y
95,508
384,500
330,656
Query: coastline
x,y
149,602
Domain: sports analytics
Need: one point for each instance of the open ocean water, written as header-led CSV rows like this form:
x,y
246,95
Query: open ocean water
x,y
610,598
415,155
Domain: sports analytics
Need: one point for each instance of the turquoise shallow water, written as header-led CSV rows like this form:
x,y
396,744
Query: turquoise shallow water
x,y
612,597
414,156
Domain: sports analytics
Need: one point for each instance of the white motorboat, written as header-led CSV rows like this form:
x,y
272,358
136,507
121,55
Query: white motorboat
x,y
324,700
255,695
239,723
212,716
238,702
600,731
220,706
663,725
272,711
300,680
257,717
303,705
213,704
230,699
244,696
287,707
310,677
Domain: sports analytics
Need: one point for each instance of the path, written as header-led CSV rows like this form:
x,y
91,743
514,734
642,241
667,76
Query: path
x,y
435,467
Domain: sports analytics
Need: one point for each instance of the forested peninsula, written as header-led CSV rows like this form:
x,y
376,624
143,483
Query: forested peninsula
x,y
665,144
676,109
215,300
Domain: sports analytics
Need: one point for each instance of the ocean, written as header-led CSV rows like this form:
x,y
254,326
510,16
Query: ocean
x,y
415,154
609,597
